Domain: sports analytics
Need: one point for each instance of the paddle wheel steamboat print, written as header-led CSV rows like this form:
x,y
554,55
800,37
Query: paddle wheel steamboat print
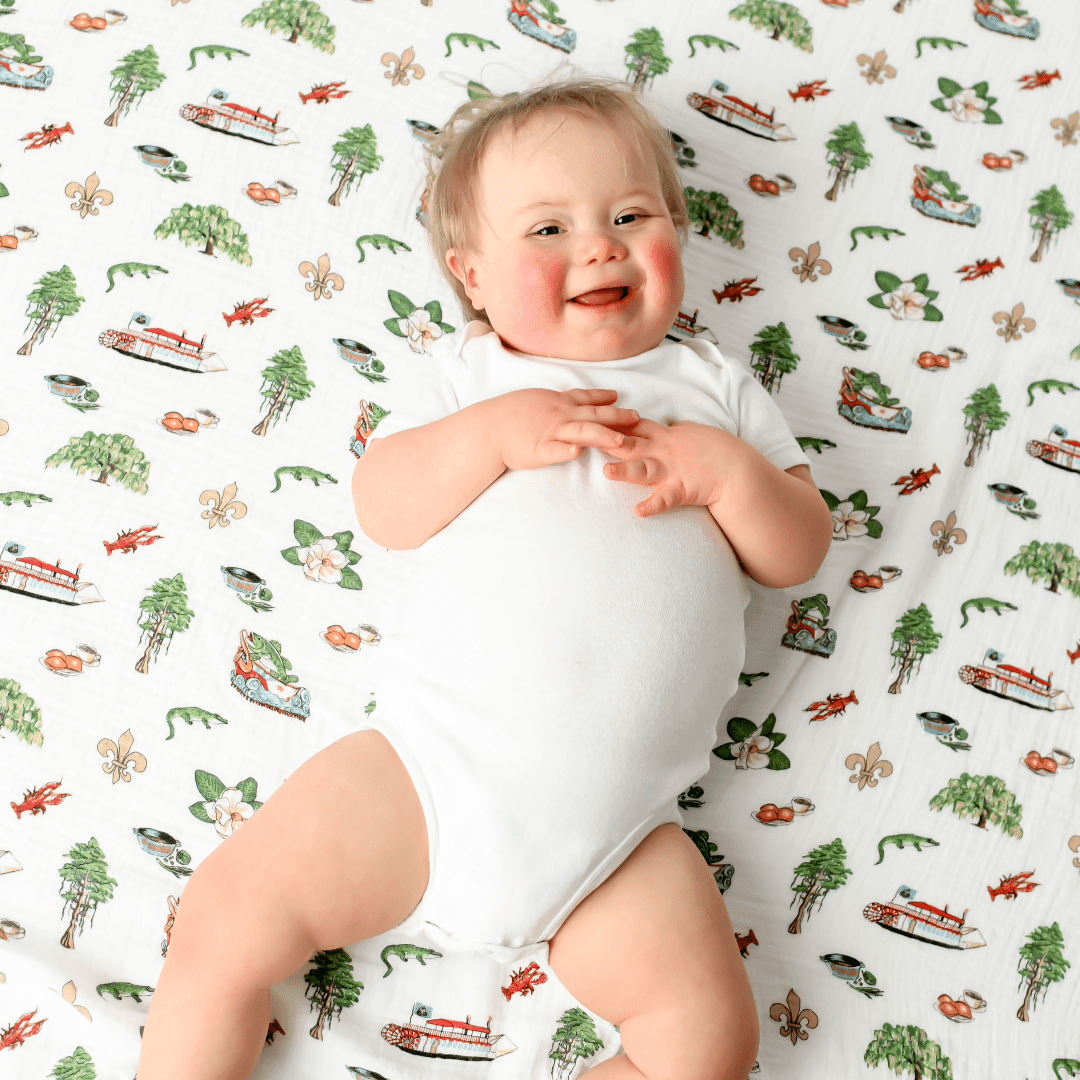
x,y
883,212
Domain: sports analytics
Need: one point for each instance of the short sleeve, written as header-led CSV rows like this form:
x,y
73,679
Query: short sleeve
x,y
761,423
421,389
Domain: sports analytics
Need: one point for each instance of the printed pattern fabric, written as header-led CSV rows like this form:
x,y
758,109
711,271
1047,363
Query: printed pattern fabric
x,y
883,200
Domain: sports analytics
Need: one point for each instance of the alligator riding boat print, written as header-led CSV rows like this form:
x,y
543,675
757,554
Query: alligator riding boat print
x,y
427,1037
238,120
718,104
924,922
14,72
261,674
1013,683
865,401
160,346
44,580
934,198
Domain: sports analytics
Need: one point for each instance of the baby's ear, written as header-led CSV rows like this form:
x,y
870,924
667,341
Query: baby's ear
x,y
464,273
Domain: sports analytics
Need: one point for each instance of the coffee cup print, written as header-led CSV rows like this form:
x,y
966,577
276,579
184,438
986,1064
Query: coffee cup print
x,y
773,815
1048,766
341,640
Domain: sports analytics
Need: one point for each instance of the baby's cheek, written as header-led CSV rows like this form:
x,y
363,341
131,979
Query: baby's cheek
x,y
664,261
539,283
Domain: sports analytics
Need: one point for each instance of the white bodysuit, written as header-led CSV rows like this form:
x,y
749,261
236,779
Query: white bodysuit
x,y
561,663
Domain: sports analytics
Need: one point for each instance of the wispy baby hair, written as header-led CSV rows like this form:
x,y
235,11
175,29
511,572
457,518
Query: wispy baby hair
x,y
455,155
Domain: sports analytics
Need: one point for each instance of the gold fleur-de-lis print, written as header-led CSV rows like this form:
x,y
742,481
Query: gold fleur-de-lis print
x,y
69,993
1074,845
1069,127
877,67
945,532
809,262
85,197
121,758
1014,323
321,281
400,65
225,504
867,766
792,1018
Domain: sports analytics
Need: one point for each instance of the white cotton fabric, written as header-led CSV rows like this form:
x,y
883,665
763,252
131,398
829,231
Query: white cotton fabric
x,y
560,663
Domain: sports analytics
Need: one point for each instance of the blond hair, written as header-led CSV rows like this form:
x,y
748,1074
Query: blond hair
x,y
455,154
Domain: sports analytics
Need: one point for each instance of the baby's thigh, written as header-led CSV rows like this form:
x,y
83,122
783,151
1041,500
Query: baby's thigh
x,y
338,854
655,937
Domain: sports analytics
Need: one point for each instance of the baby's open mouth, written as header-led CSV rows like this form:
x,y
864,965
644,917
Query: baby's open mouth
x,y
602,296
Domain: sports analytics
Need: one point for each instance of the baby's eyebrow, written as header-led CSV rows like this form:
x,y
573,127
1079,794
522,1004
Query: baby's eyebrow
x,y
549,202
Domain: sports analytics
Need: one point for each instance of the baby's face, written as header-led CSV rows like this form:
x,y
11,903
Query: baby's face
x,y
605,222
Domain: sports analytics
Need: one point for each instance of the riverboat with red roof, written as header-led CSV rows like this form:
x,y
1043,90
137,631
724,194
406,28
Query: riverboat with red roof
x,y
718,104
1062,455
461,1039
47,581
229,119
915,919
1013,683
160,346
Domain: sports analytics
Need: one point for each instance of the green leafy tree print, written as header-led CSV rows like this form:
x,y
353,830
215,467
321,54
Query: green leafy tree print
x,y
116,456
137,74
300,19
846,154
645,57
165,612
207,225
574,1038
985,797
1055,563
1048,217
76,1066
985,416
711,210
914,637
783,20
52,298
1041,964
19,714
88,885
773,355
354,157
822,871
285,382
331,986
908,1049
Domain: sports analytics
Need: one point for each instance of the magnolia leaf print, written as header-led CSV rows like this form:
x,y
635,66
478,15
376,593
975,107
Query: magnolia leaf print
x,y
324,558
418,325
967,104
906,299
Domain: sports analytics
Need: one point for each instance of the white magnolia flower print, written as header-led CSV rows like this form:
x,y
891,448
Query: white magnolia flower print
x,y
753,753
849,522
419,328
967,106
229,811
906,302
322,561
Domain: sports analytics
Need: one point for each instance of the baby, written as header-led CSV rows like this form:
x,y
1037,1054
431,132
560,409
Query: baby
x,y
566,647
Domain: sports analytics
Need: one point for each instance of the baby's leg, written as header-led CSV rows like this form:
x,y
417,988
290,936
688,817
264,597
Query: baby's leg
x,y
337,854
652,951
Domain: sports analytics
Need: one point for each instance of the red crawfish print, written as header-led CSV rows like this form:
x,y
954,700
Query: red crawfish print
x,y
833,705
274,1029
1040,78
919,478
982,268
1011,886
38,799
20,1031
129,541
524,981
48,135
807,91
744,943
736,290
322,94
247,313
1073,656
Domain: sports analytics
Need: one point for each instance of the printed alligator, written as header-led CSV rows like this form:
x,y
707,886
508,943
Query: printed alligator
x,y
124,989
189,714
900,839
298,472
403,952
984,603
25,497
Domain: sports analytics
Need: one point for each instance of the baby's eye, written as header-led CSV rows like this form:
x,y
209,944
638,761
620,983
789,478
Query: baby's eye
x,y
621,216
540,231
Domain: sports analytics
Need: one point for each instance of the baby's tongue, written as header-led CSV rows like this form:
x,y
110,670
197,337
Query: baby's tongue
x,y
600,296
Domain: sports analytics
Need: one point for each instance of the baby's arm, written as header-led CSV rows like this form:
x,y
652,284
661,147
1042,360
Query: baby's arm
x,y
776,521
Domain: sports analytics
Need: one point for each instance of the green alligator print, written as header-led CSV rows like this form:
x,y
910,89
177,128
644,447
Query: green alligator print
x,y
25,497
900,839
189,714
984,603
212,51
298,472
131,269
124,989
404,952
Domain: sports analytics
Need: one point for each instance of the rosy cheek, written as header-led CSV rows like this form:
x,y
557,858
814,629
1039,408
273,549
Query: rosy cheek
x,y
663,258
540,283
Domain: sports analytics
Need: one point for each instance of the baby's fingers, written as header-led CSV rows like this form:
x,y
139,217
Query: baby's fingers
x,y
632,472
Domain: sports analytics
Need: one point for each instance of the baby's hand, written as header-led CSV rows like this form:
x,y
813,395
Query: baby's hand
x,y
686,460
537,427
